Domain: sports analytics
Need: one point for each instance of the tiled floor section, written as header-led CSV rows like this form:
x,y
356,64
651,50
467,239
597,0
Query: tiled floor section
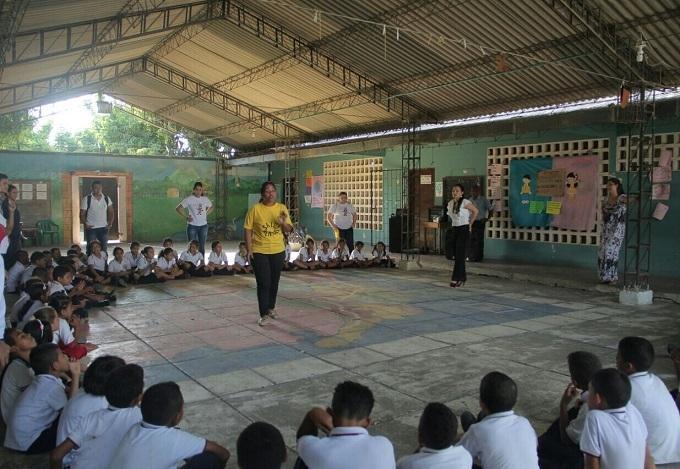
x,y
407,335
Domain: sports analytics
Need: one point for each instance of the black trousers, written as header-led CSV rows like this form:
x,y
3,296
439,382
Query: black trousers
x,y
461,237
476,251
553,454
267,269
47,440
348,236
204,460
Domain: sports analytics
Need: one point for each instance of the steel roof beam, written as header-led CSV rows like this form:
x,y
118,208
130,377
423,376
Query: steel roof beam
x,y
221,100
40,91
11,15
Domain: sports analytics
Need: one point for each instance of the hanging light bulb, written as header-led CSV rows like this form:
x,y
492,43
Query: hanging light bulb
x,y
384,29
252,133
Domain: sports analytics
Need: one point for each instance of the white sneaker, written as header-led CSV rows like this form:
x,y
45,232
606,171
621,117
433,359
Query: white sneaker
x,y
262,321
272,314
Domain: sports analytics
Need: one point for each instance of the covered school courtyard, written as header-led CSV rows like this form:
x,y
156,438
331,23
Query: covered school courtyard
x,y
393,102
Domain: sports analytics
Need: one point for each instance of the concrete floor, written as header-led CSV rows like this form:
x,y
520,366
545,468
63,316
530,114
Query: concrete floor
x,y
406,335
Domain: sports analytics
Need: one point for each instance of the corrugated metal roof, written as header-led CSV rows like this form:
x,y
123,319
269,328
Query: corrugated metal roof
x,y
552,58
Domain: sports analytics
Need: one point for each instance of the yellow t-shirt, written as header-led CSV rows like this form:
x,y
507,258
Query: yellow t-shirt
x,y
267,234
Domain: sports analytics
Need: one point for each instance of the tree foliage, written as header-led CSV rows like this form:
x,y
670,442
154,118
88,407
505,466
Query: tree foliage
x,y
17,132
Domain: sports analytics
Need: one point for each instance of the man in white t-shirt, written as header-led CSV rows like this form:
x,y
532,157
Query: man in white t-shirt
x,y
348,443
650,396
96,215
436,433
342,216
195,209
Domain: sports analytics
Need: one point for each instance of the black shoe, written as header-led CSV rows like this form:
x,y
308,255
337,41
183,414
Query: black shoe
x,y
467,420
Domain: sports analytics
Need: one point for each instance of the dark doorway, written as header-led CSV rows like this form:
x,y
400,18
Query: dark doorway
x,y
110,189
421,200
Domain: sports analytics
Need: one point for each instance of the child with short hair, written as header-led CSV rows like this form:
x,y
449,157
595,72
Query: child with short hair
x,y
18,374
55,254
558,446
146,265
132,257
32,427
168,243
38,259
260,446
155,443
62,276
437,432
381,256
41,331
307,256
241,261
97,263
92,442
323,256
217,261
119,270
650,396
79,252
64,308
16,271
192,261
501,439
360,260
614,435
167,268
349,443
62,334
37,293
341,254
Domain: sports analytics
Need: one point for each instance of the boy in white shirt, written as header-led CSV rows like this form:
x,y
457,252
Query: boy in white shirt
x,y
167,268
360,260
32,427
146,266
559,445
307,256
348,444
16,271
341,254
323,256
18,375
436,434
155,443
651,397
119,270
501,439
241,261
217,261
192,261
169,243
97,263
93,441
38,259
260,446
614,435
132,257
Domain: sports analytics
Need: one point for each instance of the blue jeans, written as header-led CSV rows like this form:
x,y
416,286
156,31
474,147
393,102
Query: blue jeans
x,y
100,234
198,233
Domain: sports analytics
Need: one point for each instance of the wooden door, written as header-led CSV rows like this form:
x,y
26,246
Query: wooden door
x,y
421,200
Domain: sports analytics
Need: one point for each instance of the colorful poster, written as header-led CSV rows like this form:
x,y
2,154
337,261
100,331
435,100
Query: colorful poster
x,y
553,208
661,191
578,204
522,191
317,191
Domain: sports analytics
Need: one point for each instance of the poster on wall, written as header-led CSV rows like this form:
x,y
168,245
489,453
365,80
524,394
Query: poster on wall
x,y
439,188
580,192
522,192
317,191
550,183
496,169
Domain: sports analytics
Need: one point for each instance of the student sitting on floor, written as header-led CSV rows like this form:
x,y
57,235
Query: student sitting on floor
x,y
97,263
55,254
64,308
241,261
381,256
32,427
62,335
558,447
217,261
119,270
89,399
437,432
288,250
38,259
358,257
307,257
37,293
349,444
260,446
167,268
133,256
146,266
501,439
79,252
323,256
193,261
168,243
18,375
614,435
83,296
155,443
23,298
41,331
341,254
92,442
651,397
16,271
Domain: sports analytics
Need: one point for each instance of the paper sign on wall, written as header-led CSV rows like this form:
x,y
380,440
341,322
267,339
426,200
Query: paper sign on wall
x,y
550,183
553,208
41,195
496,170
426,179
660,211
661,174
41,187
661,191
665,158
536,206
439,189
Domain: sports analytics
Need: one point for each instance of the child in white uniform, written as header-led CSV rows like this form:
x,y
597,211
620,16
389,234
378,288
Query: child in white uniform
x,y
241,262
323,256
341,254
16,271
167,268
192,261
307,256
146,266
360,260
381,256
287,264
133,256
217,261
97,263
168,243
118,269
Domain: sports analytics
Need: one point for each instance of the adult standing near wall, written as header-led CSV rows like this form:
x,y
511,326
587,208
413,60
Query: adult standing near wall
x,y
613,231
484,208
6,226
463,214
15,234
264,227
96,215
342,216
196,209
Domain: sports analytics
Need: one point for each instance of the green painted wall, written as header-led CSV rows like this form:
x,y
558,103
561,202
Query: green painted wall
x,y
451,158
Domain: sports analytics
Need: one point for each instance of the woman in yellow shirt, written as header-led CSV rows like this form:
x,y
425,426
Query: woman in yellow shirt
x,y
264,226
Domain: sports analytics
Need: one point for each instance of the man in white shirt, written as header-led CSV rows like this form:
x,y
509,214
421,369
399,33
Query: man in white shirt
x,y
348,443
436,433
484,207
614,435
651,397
342,216
96,215
195,209
501,439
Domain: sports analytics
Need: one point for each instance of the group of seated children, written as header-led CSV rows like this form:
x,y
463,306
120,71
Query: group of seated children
x,y
310,258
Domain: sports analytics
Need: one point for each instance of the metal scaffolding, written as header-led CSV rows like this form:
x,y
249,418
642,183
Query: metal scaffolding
x,y
410,195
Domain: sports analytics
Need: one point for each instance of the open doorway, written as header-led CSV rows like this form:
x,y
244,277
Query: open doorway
x,y
421,200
